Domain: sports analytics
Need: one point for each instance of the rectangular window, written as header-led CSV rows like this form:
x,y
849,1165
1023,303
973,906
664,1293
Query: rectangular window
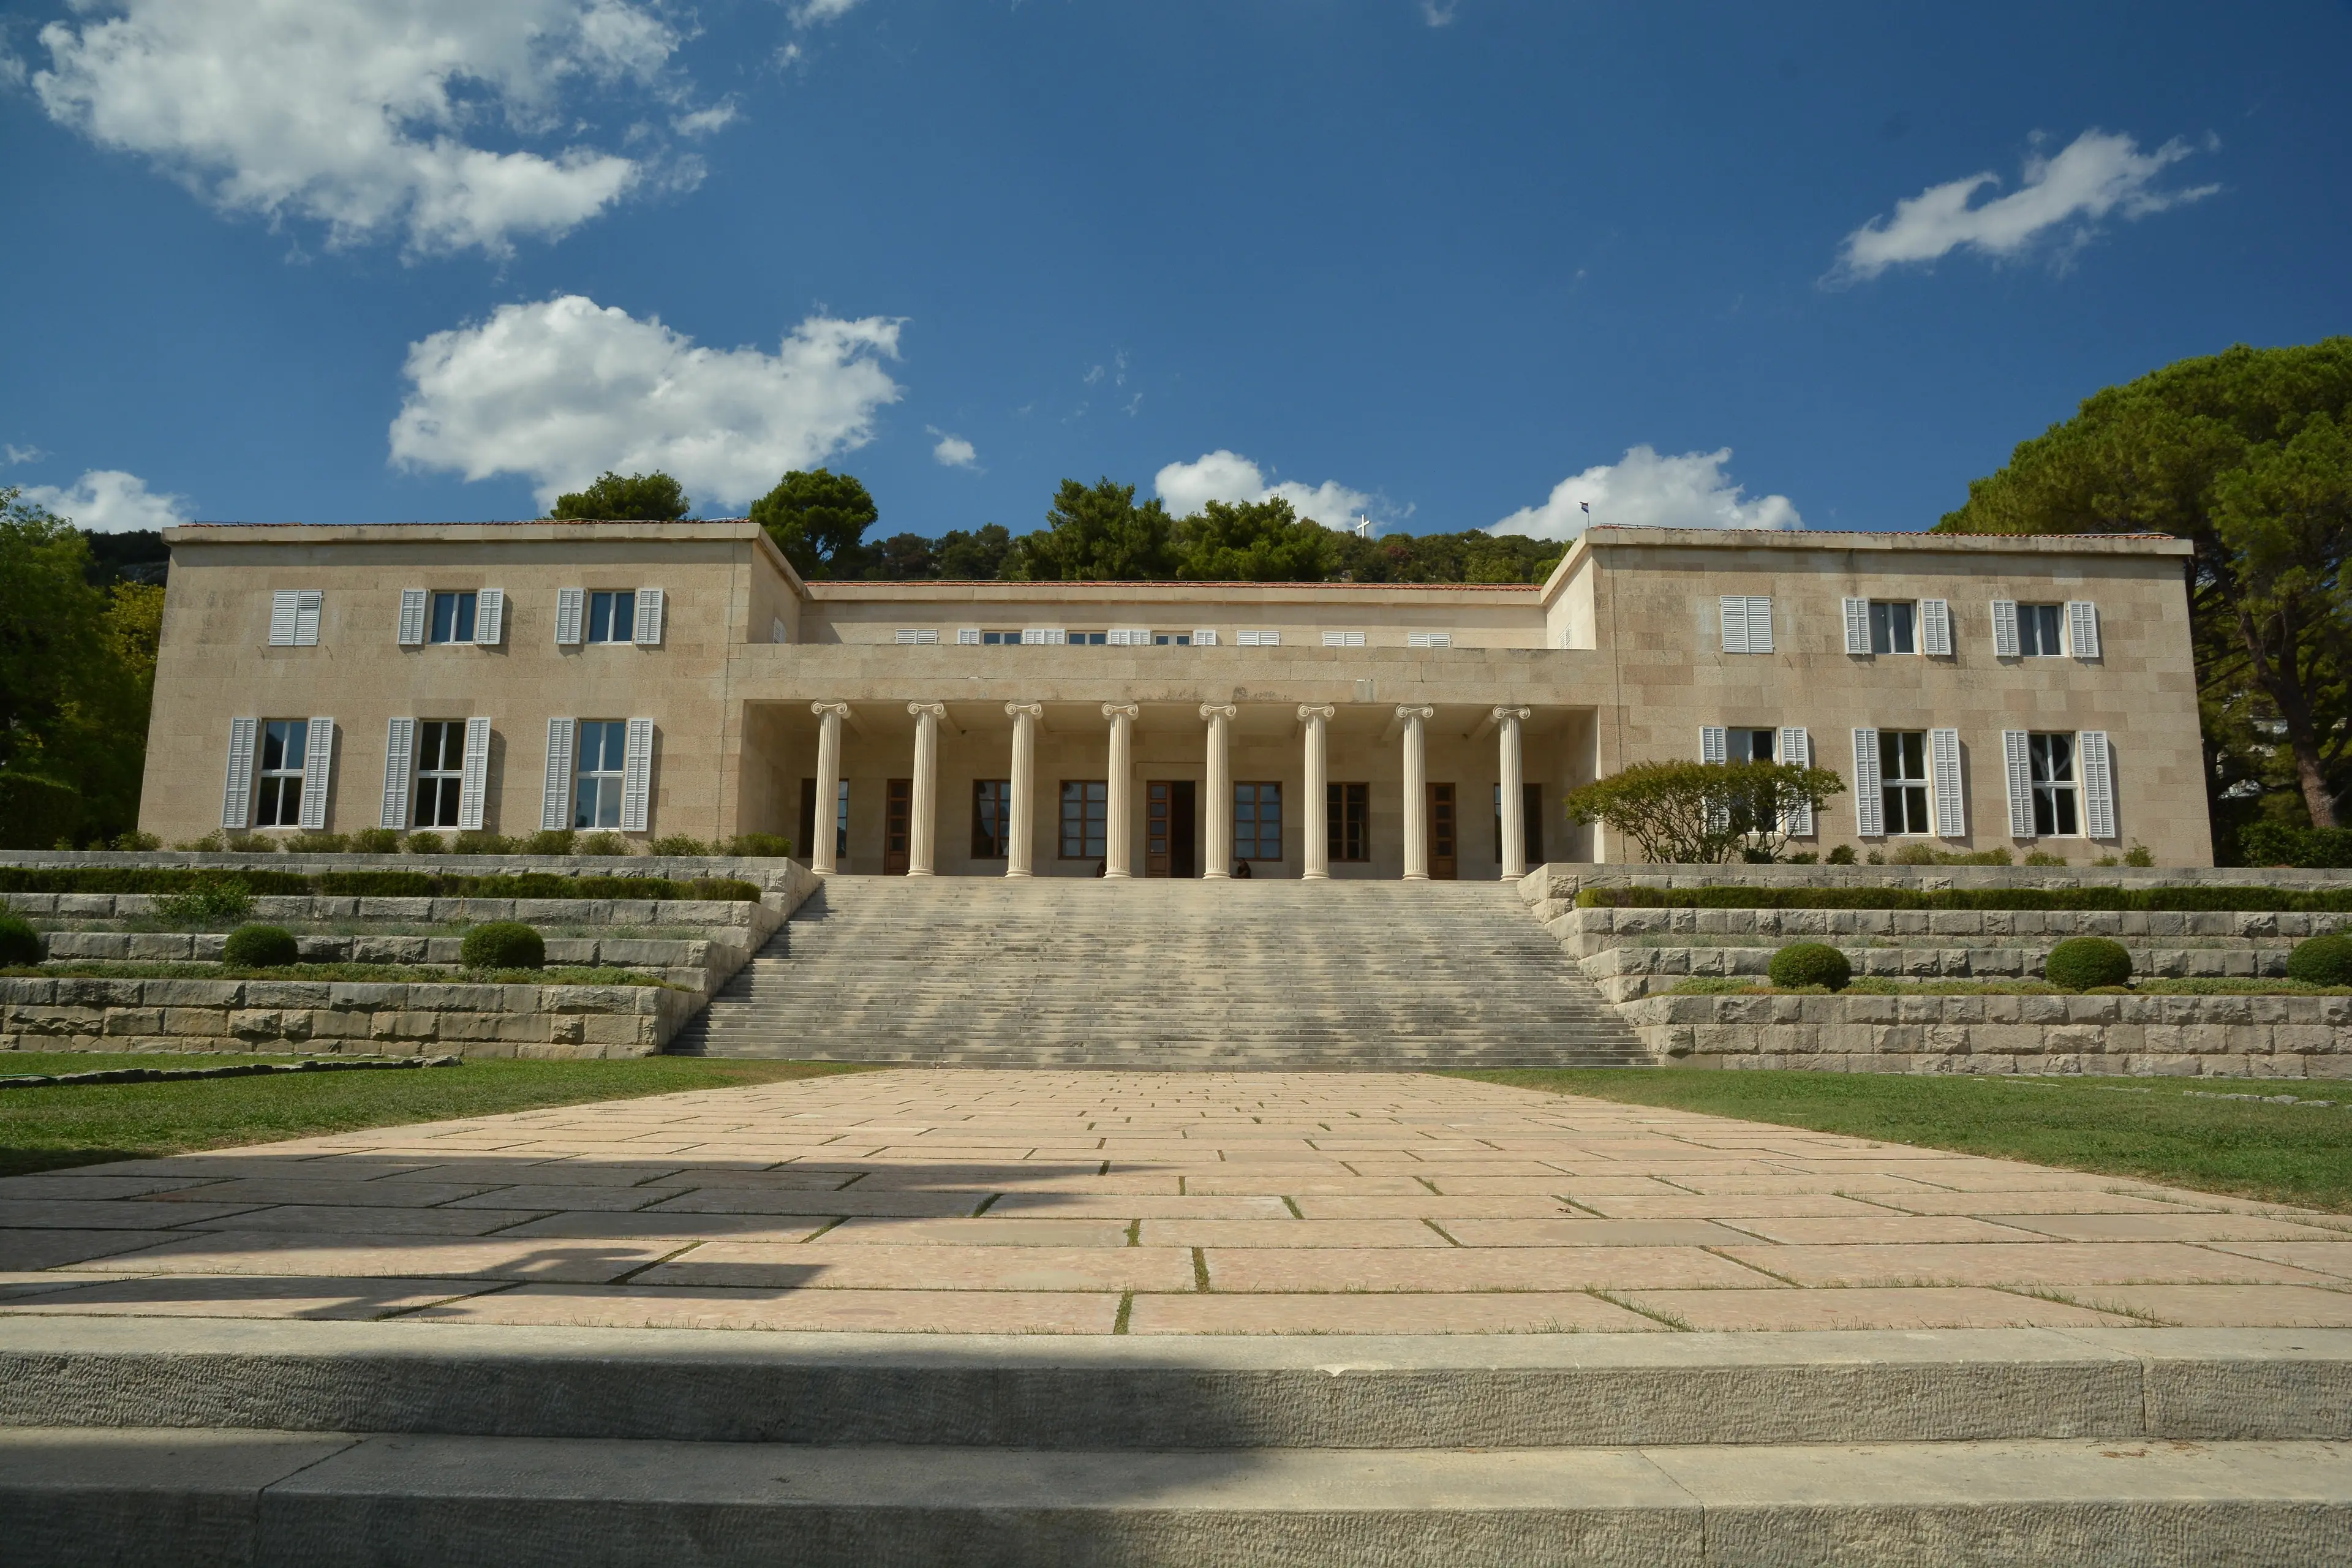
x,y
1749,745
1257,821
596,789
440,771
1747,623
294,616
453,618
991,818
1085,807
1343,639
1258,639
1429,639
2050,760
1048,636
1089,639
1902,780
1001,639
1131,636
1892,627
923,635
841,818
1172,639
612,616
285,746
2039,629
1349,822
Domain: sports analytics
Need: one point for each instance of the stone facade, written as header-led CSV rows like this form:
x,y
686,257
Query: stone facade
x,y
761,691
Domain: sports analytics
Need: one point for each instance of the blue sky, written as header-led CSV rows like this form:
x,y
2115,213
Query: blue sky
x,y
1445,266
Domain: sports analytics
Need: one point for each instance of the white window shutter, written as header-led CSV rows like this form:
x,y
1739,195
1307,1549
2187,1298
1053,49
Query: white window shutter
x,y
2018,762
2083,629
1044,636
1944,775
1760,624
1857,626
236,798
399,762
649,618
636,775
1735,625
412,617
490,617
473,784
307,605
2098,784
318,773
1203,637
967,636
555,802
1869,806
1935,627
2004,628
1712,745
283,612
570,606
1796,751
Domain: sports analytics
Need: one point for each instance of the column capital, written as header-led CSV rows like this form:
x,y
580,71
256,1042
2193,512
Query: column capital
x,y
928,709
1123,710
1309,710
830,709
1025,710
1521,714
1220,710
1409,714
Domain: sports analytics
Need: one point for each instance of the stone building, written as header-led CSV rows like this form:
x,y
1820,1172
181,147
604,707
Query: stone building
x,y
2035,693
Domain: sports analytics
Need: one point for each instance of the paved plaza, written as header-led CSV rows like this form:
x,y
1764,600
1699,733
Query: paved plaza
x,y
1151,1203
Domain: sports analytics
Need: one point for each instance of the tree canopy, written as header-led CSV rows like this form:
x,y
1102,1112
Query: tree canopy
x,y
640,498
819,519
2248,454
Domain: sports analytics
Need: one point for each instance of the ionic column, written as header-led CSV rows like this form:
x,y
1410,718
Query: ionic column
x,y
1019,853
1515,826
922,824
1116,818
1317,850
1416,793
1218,857
823,821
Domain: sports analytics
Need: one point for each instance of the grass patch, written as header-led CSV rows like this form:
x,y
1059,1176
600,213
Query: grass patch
x,y
1877,985
46,1129
409,974
2169,1131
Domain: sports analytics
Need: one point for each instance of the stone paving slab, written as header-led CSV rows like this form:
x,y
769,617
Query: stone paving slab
x,y
1176,1204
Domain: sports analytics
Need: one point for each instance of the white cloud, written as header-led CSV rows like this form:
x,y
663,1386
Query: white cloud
x,y
1646,491
2061,197
369,116
17,454
811,12
1438,13
108,500
1227,475
703,122
954,451
563,390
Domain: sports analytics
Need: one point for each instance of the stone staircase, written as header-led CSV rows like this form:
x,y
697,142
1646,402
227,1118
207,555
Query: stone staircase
x,y
1164,975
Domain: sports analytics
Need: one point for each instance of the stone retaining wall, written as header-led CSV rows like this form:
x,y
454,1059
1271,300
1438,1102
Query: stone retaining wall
x,y
1626,973
348,1017
1560,880
423,912
1584,931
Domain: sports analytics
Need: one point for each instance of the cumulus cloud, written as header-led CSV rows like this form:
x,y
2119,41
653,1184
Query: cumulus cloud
x,y
108,500
1228,476
369,116
1644,489
562,390
953,451
2062,198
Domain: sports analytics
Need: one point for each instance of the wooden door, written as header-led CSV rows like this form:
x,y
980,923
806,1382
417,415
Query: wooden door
x,y
897,826
1443,850
1169,833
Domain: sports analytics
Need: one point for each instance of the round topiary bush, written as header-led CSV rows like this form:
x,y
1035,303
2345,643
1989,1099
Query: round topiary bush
x,y
2321,960
1811,963
2080,963
260,947
503,944
19,942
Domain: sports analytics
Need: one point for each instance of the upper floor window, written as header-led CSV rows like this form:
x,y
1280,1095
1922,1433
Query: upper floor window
x,y
2039,633
294,618
917,636
285,746
1891,629
1429,639
1089,639
1343,639
1747,623
1172,639
1258,639
453,618
611,617
2045,631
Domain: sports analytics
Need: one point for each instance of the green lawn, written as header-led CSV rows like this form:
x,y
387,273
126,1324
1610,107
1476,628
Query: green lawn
x,y
41,1129
2157,1130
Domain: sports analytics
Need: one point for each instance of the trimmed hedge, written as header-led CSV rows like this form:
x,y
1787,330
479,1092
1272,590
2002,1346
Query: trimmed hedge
x,y
2322,961
369,884
19,942
502,944
2082,962
2173,899
1811,963
260,947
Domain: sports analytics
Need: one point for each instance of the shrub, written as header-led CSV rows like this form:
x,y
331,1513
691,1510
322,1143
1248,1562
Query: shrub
x,y
376,841
1811,963
603,844
2080,963
320,844
135,842
208,902
260,947
1841,856
425,844
480,842
1704,812
2139,855
210,844
2277,844
2044,857
2322,961
550,841
379,884
254,844
2324,900
19,942
678,844
760,846
503,944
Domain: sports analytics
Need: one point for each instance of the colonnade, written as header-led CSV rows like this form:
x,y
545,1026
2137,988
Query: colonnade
x,y
1119,804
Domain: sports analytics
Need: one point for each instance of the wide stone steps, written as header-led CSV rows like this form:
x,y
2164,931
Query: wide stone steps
x,y
168,1441
1073,972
